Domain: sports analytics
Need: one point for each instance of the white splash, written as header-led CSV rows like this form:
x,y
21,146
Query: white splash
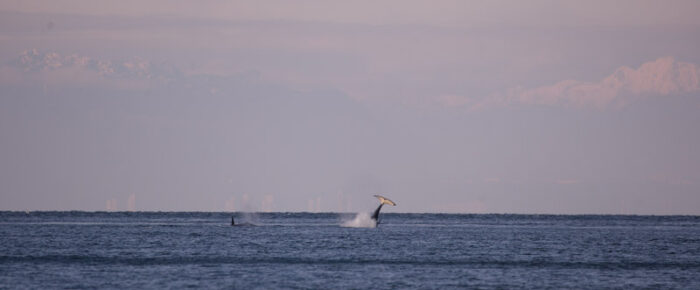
x,y
361,220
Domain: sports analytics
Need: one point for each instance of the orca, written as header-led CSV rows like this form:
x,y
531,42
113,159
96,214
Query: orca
x,y
382,202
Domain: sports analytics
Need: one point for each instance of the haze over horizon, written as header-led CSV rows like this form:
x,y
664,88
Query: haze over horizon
x,y
565,107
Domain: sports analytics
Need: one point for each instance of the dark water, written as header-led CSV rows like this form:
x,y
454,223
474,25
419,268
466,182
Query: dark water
x,y
299,250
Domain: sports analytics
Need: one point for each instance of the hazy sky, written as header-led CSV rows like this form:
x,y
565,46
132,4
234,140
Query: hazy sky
x,y
443,106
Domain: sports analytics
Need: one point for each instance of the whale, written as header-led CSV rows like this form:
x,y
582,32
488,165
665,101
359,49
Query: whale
x,y
382,202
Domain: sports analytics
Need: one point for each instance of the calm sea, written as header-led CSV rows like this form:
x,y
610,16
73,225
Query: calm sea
x,y
315,250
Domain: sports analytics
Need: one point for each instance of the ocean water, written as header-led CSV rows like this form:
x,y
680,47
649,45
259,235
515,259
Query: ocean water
x,y
316,250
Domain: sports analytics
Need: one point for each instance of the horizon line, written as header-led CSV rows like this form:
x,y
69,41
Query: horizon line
x,y
332,212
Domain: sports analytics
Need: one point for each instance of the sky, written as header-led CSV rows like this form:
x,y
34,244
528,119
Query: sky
x,y
547,107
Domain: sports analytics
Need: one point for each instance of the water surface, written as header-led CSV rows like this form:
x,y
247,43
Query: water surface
x,y
305,250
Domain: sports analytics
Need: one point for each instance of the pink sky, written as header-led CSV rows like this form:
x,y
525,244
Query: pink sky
x,y
449,106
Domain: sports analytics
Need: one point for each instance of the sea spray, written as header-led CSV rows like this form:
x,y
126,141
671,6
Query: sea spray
x,y
361,220
249,217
